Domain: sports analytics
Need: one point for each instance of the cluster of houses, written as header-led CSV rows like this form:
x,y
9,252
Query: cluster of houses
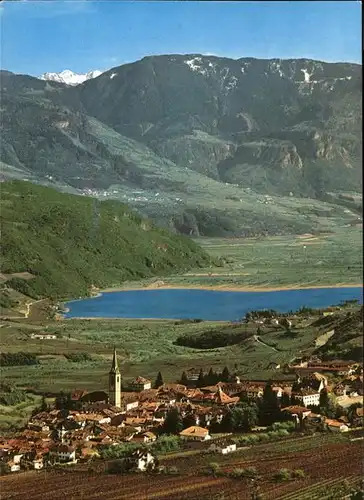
x,y
97,419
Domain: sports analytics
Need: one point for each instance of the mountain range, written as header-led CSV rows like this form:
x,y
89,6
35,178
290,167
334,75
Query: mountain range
x,y
203,145
69,77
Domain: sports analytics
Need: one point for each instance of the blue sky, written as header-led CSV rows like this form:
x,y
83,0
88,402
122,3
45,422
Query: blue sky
x,y
82,35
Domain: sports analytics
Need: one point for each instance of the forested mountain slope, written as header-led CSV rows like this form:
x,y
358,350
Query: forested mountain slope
x,y
68,243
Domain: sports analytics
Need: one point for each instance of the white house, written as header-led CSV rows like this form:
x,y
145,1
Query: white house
x,y
140,384
64,453
17,458
13,466
43,336
38,463
223,447
142,460
308,397
336,426
146,437
131,405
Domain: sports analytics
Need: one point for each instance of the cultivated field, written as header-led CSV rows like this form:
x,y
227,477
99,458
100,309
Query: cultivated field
x,y
144,348
330,464
274,262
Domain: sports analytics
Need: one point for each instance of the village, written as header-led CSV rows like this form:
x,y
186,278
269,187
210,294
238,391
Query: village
x,y
212,412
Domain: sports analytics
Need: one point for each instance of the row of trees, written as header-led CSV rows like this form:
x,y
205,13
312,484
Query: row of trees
x,y
18,359
210,378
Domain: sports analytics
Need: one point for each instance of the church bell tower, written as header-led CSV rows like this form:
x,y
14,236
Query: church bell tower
x,y
115,383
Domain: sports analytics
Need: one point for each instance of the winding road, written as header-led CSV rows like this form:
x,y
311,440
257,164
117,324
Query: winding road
x,y
257,339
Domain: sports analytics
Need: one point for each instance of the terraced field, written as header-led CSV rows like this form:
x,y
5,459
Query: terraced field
x,y
328,469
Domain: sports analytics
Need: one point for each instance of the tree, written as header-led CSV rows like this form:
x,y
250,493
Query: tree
x,y
225,374
270,411
201,377
211,378
227,422
184,379
61,401
241,418
324,398
159,381
43,405
326,406
173,423
285,400
4,469
189,420
251,416
351,412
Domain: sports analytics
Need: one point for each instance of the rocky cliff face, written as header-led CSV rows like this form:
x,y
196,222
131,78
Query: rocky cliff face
x,y
199,111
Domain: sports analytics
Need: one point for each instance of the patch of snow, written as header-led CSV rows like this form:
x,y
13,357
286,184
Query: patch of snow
x,y
307,75
275,67
112,76
244,67
192,64
232,83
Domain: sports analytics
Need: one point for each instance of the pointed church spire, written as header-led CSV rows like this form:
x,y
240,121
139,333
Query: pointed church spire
x,y
114,366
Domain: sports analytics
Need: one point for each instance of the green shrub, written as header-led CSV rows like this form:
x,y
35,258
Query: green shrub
x,y
282,475
118,451
298,474
237,473
250,472
213,468
166,444
283,433
263,437
78,357
172,469
277,426
13,398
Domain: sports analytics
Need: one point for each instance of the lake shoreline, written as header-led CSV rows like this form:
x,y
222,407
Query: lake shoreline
x,y
277,300
227,288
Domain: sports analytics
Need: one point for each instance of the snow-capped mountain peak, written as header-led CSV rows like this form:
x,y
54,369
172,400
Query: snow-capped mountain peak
x,y
69,77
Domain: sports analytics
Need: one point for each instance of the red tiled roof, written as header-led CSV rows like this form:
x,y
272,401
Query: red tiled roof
x,y
222,398
333,423
77,395
194,430
172,387
141,380
296,409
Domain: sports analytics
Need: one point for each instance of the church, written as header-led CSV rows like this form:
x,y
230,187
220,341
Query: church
x,y
112,397
115,383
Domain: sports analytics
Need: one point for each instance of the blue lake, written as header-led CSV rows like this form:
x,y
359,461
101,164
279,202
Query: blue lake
x,y
204,304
